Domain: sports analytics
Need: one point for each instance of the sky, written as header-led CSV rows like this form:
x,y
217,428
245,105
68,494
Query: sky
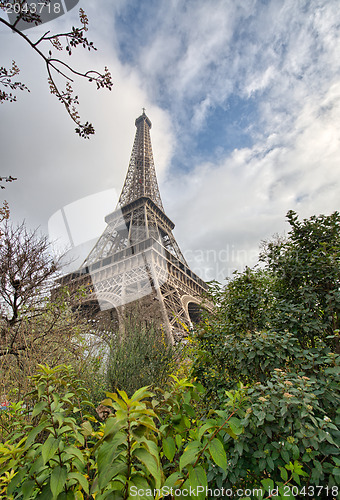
x,y
244,100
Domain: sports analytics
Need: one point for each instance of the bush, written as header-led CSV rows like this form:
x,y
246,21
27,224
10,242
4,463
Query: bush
x,y
284,423
292,413
65,453
140,356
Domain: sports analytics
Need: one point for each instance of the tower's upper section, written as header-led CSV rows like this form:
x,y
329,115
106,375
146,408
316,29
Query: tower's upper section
x,y
141,177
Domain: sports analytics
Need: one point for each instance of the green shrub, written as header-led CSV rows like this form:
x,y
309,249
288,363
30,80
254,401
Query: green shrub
x,y
65,453
140,356
293,401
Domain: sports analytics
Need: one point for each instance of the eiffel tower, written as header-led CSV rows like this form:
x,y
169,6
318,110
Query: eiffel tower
x,y
137,265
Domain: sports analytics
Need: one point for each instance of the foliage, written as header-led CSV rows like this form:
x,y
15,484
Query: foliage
x,y
274,329
34,324
63,452
55,449
298,290
55,66
146,447
243,303
268,416
293,406
140,355
284,423
49,455
306,272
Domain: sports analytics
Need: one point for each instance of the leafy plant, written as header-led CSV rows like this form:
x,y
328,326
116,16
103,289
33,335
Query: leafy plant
x,y
306,278
50,455
284,423
140,356
145,444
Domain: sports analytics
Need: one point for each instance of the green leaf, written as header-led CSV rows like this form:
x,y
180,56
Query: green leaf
x,y
111,472
86,428
80,479
124,396
270,463
34,432
106,402
336,471
198,481
19,476
38,408
239,447
139,431
108,450
169,448
261,415
151,464
72,450
190,454
174,480
329,438
45,493
142,393
27,489
66,496
49,448
285,455
268,484
142,487
189,410
58,480
295,452
151,447
178,439
218,453
235,425
205,427
111,426
284,474
37,465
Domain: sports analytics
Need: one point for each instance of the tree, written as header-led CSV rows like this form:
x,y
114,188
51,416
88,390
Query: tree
x,y
243,302
55,67
4,210
297,292
306,278
33,324
4,213
276,331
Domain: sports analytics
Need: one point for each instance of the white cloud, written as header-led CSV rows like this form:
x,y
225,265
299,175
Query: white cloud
x,y
281,57
53,165
244,199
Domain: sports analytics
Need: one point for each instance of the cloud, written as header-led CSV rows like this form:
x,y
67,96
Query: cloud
x,y
285,59
266,73
53,165
242,200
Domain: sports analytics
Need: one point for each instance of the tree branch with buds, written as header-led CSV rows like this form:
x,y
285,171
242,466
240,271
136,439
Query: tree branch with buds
x,y
55,66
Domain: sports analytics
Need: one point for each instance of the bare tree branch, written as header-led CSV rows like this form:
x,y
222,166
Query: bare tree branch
x,y
54,66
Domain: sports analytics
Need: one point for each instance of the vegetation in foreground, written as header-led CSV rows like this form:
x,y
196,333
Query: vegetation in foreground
x,y
258,410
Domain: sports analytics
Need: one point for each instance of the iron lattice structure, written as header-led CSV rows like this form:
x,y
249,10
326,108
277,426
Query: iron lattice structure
x,y
137,264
